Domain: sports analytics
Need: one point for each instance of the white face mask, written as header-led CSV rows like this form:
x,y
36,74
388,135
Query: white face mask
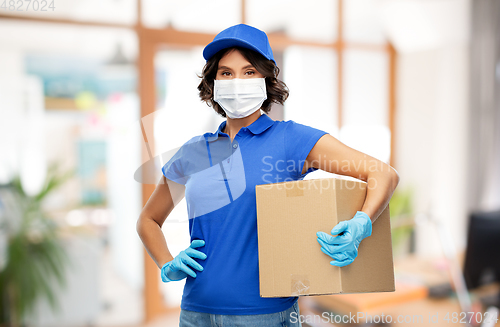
x,y
240,97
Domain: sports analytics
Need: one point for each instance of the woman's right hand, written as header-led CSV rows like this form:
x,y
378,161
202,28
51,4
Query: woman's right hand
x,y
178,268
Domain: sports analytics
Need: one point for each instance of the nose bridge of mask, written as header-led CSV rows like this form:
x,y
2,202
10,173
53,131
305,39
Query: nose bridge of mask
x,y
240,88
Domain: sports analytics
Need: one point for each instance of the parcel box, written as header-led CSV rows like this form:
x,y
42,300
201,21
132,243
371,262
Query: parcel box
x,y
290,259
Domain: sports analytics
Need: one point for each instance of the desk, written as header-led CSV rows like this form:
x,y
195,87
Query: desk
x,y
420,312
408,306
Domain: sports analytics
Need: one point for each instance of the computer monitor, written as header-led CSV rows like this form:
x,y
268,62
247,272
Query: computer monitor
x,y
482,256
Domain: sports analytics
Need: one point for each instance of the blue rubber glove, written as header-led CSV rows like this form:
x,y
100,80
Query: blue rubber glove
x,y
344,248
178,269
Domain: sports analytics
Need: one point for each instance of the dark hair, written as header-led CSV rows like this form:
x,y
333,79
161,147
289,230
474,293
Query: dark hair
x,y
277,91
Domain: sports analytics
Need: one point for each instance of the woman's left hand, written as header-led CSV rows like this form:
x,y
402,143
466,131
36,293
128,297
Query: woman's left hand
x,y
344,247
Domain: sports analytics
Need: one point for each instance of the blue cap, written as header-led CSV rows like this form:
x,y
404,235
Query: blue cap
x,y
240,35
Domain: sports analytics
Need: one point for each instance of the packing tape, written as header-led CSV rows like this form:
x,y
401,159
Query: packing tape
x,y
300,285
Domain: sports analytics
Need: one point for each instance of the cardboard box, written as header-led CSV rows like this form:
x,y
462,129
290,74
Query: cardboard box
x,y
290,260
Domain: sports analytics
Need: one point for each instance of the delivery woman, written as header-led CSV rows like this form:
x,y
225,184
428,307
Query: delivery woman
x,y
217,172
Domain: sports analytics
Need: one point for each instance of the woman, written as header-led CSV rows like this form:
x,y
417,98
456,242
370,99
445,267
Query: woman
x,y
219,171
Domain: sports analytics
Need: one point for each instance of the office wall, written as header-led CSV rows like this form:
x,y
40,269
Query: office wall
x,y
432,139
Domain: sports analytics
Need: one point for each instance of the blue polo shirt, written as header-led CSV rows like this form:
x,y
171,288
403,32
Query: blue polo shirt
x,y
220,178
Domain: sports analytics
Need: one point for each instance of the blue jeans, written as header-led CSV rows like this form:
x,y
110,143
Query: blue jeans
x,y
278,319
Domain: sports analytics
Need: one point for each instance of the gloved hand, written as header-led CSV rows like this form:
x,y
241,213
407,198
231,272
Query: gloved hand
x,y
344,248
178,269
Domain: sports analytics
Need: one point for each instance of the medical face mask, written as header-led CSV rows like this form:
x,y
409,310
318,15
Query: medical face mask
x,y
240,97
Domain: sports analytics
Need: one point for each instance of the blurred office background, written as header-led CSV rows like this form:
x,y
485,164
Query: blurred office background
x,y
92,91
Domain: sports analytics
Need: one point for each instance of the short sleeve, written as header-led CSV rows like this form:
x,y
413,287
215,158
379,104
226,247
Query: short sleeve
x,y
191,158
173,168
299,141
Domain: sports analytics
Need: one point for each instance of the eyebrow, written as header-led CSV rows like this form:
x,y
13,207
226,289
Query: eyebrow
x,y
225,67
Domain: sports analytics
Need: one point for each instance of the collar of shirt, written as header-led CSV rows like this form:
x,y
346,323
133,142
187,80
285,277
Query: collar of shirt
x,y
260,125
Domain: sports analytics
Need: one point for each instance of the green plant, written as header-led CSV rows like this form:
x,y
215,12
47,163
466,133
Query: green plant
x,y
401,211
35,252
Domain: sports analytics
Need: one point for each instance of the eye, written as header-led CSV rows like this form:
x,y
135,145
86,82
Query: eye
x,y
226,73
250,72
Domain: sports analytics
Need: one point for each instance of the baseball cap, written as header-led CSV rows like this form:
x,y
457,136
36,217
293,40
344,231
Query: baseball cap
x,y
241,35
